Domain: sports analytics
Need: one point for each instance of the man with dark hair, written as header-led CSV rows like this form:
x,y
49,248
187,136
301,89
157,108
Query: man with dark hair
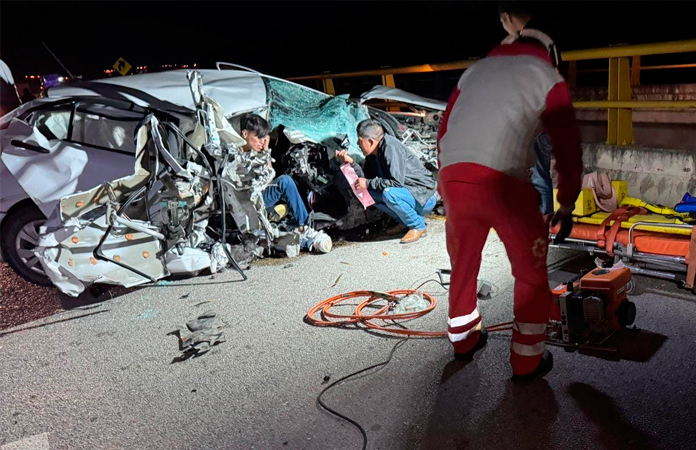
x,y
395,178
255,130
516,16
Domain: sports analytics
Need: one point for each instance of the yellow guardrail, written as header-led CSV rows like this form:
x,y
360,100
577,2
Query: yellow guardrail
x,y
623,74
637,104
621,51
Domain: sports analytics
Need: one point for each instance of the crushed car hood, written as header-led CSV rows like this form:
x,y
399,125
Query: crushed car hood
x,y
235,90
390,93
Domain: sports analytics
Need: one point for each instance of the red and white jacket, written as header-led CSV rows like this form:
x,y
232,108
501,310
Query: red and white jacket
x,y
500,105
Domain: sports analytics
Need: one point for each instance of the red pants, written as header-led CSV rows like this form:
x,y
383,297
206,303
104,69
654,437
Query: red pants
x,y
476,199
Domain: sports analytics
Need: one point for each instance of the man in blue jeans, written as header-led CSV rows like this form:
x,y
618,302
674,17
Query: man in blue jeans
x,y
255,129
541,173
395,178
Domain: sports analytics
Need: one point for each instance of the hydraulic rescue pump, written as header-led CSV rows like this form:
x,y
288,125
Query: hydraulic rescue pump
x,y
588,310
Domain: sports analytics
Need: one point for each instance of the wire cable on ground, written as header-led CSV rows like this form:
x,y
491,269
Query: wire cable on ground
x,y
381,313
340,380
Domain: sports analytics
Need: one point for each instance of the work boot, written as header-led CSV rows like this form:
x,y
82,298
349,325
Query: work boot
x,y
469,356
542,369
413,235
396,229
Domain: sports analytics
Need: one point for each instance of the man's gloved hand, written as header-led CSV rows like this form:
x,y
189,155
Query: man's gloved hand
x,y
565,217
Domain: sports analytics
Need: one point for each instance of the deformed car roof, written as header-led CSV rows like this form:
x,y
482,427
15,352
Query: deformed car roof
x,y
235,90
390,93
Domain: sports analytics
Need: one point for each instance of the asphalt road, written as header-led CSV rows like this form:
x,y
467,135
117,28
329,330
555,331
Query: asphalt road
x,y
104,376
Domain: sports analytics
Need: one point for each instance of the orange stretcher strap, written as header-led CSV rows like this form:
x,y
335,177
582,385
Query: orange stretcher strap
x,y
606,239
601,240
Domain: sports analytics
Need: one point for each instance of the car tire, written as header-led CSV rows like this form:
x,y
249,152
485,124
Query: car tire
x,y
18,237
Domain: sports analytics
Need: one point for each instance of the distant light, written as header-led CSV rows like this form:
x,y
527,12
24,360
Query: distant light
x,y
32,77
61,79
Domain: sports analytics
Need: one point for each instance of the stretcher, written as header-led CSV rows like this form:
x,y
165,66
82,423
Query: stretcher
x,y
658,245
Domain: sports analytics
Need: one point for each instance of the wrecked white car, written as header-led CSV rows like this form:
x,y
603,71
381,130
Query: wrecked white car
x,y
129,180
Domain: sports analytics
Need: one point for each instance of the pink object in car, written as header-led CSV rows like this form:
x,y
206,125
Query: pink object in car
x,y
363,196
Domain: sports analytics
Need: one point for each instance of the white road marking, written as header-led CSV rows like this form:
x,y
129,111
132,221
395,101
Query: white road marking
x,y
37,442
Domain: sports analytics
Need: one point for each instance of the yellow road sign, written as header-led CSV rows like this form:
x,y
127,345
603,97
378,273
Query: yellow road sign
x,y
121,66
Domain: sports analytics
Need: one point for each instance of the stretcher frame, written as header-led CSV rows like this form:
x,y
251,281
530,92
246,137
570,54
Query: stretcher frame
x,y
675,268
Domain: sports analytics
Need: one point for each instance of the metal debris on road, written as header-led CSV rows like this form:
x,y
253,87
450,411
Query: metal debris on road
x,y
199,335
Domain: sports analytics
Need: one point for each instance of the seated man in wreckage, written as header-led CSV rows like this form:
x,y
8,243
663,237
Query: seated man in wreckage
x,y
395,178
255,130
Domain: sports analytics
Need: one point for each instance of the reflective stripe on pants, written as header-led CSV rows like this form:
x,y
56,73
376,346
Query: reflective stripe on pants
x,y
461,327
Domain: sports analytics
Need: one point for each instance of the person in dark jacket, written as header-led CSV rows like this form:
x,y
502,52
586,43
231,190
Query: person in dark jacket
x,y
395,178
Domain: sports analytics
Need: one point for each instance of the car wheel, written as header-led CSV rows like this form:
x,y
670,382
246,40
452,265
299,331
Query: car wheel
x,y
20,236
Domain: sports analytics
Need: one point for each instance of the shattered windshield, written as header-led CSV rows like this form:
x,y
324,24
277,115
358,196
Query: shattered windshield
x,y
318,116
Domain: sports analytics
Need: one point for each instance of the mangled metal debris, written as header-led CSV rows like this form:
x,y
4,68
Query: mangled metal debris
x,y
190,199
157,221
199,335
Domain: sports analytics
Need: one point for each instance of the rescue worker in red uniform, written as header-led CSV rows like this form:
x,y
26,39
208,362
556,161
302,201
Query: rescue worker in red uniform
x,y
499,106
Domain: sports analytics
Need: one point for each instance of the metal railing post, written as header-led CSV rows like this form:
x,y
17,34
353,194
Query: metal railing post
x,y
613,113
328,86
635,71
388,80
624,133
619,120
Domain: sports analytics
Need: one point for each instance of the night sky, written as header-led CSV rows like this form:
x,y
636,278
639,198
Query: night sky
x,y
303,38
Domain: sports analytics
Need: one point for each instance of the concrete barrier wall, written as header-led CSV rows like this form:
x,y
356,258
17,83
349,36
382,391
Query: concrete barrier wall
x,y
655,175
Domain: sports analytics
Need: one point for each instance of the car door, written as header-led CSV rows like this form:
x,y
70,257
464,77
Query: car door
x,y
70,147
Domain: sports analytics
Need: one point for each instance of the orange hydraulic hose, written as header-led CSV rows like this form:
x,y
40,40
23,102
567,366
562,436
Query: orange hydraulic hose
x,y
390,295
338,299
500,327
407,316
373,296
